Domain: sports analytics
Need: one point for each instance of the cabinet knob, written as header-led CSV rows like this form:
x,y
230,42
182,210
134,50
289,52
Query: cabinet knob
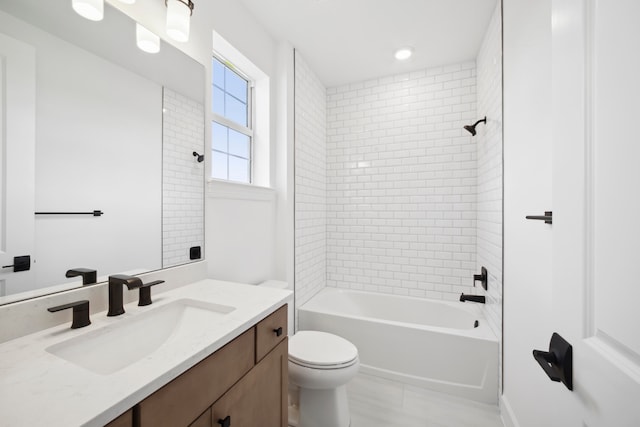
x,y
278,331
225,422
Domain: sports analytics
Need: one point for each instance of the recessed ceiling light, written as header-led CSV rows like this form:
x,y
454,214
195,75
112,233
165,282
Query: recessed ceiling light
x,y
404,53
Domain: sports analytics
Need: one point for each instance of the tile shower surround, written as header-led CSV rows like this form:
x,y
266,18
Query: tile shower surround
x,y
310,182
182,180
489,146
402,183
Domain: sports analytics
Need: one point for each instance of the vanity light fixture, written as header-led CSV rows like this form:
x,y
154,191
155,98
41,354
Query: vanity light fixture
x,y
178,19
403,53
146,40
90,9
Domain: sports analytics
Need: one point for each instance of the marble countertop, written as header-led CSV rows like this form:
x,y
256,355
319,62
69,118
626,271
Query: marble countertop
x,y
38,388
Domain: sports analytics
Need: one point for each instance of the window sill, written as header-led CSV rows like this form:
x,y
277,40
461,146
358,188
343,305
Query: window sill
x,y
218,189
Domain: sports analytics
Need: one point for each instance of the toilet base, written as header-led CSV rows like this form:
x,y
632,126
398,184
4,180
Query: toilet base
x,y
323,408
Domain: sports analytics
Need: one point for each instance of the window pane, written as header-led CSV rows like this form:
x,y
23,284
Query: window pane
x,y
218,101
235,110
218,73
219,137
236,85
219,165
238,144
238,169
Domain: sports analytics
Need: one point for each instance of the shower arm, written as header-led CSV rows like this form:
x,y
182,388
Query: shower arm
x,y
480,121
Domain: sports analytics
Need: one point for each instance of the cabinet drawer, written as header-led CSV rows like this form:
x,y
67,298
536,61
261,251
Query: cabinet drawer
x,y
182,400
268,332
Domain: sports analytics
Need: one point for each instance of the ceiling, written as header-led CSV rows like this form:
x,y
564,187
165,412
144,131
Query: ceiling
x,y
346,41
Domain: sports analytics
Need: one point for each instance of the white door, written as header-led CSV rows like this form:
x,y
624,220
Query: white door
x,y
17,158
596,209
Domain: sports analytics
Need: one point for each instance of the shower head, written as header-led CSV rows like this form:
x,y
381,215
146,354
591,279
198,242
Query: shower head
x,y
200,157
472,128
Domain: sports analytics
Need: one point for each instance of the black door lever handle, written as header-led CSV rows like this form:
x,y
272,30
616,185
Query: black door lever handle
x,y
547,217
546,360
20,263
557,363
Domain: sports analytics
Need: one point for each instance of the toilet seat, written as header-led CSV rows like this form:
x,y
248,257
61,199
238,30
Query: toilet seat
x,y
321,350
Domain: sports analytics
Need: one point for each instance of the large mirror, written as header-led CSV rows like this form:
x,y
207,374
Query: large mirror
x,y
97,164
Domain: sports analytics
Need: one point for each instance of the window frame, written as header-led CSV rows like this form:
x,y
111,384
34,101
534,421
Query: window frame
x,y
221,120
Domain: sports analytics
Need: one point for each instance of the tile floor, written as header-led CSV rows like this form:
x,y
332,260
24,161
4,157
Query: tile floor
x,y
377,402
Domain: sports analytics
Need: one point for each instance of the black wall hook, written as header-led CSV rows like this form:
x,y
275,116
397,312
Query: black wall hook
x,y
199,156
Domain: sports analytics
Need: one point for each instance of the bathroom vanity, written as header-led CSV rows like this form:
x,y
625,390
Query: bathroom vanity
x,y
212,353
246,381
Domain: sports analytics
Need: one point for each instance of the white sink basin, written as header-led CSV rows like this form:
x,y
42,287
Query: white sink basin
x,y
116,346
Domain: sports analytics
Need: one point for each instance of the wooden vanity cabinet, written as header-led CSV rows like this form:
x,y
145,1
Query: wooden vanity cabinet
x,y
259,399
246,380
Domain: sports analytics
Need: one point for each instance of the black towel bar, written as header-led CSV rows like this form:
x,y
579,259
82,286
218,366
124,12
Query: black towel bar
x,y
94,213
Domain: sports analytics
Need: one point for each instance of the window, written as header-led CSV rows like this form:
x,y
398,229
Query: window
x,y
231,131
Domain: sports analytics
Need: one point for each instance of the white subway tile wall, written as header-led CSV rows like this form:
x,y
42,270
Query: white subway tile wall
x,y
489,141
182,178
310,182
401,183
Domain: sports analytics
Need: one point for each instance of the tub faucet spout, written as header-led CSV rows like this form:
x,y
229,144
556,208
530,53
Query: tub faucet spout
x,y
474,298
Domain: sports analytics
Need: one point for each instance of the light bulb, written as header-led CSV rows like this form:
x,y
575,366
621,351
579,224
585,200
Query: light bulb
x,y
404,53
90,9
178,19
146,40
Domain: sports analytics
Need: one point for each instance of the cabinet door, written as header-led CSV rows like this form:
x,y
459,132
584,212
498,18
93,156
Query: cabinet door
x,y
182,400
260,397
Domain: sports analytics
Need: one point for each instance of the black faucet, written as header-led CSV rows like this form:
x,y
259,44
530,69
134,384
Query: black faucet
x,y
89,276
115,291
474,298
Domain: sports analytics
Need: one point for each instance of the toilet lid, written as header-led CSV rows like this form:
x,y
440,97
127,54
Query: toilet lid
x,y
321,349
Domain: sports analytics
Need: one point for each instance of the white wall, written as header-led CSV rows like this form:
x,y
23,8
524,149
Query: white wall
x,y
401,183
240,232
310,182
527,191
489,149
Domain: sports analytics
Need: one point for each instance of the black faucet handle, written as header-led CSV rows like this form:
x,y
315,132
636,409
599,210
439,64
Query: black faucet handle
x,y
89,276
483,278
80,313
144,297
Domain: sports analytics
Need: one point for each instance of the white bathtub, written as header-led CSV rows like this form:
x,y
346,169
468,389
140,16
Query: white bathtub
x,y
427,343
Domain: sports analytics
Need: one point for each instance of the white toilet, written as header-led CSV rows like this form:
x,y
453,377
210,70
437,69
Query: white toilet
x,y
320,366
